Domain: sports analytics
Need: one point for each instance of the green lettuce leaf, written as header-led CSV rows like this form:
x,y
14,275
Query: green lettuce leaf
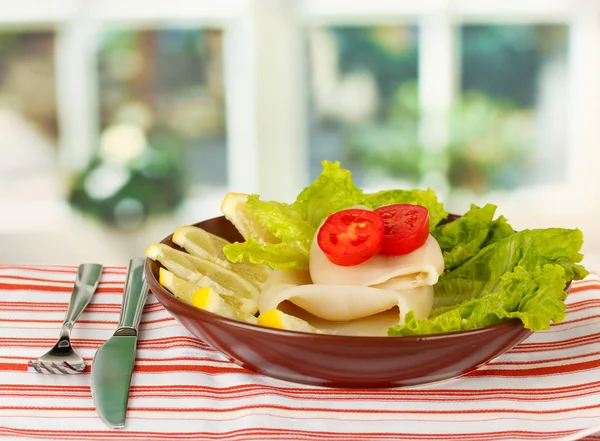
x,y
296,224
332,191
535,297
528,249
280,255
426,198
283,221
499,230
464,237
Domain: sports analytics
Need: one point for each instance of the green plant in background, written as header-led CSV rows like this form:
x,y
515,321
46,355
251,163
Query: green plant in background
x,y
389,52
387,144
123,190
492,127
390,146
490,143
160,97
488,146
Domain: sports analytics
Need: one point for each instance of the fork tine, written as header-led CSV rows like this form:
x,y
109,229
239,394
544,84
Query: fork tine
x,y
59,369
33,365
70,369
43,366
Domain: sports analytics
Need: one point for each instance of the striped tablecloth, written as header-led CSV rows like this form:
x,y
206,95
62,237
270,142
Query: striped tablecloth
x,y
547,388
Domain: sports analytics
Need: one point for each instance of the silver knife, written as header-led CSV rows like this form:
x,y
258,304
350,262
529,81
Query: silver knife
x,y
113,363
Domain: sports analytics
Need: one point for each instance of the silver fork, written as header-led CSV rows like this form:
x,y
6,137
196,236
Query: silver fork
x,y
62,359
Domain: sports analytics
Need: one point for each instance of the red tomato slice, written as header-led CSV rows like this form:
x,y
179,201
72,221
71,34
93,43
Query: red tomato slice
x,y
406,228
350,237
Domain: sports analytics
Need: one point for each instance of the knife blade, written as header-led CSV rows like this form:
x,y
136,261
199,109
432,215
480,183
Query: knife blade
x,y
113,363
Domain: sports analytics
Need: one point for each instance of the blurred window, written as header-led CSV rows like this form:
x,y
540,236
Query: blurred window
x,y
169,81
507,122
28,120
363,102
162,124
28,125
508,125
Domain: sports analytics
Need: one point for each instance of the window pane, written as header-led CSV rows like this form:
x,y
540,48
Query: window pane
x,y
28,121
172,79
364,109
509,123
162,123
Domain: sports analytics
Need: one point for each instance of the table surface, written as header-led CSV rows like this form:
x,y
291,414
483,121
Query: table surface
x,y
546,388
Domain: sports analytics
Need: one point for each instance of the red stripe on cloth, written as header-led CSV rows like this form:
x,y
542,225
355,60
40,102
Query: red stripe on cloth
x,y
87,322
182,341
391,394
322,410
259,433
69,281
513,369
211,370
579,320
545,360
80,321
144,359
153,369
59,269
153,343
12,366
556,345
62,306
249,390
583,304
539,371
51,288
586,286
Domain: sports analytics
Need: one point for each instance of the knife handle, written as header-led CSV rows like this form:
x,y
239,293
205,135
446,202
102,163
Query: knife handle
x,y
86,282
134,296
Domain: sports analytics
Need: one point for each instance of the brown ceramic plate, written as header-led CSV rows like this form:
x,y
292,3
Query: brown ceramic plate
x,y
336,360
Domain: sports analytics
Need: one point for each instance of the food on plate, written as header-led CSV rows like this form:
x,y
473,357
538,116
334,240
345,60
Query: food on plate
x,y
375,325
277,319
342,303
202,244
406,228
206,274
235,208
421,267
338,260
350,237
204,297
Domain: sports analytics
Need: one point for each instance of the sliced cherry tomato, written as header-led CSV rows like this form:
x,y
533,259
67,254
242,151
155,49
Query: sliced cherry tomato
x,y
350,237
406,228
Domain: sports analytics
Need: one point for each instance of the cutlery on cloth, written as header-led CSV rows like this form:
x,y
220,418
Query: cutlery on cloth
x,y
62,359
113,363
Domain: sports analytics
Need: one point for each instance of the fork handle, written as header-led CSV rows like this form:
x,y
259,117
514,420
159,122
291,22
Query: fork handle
x,y
86,282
